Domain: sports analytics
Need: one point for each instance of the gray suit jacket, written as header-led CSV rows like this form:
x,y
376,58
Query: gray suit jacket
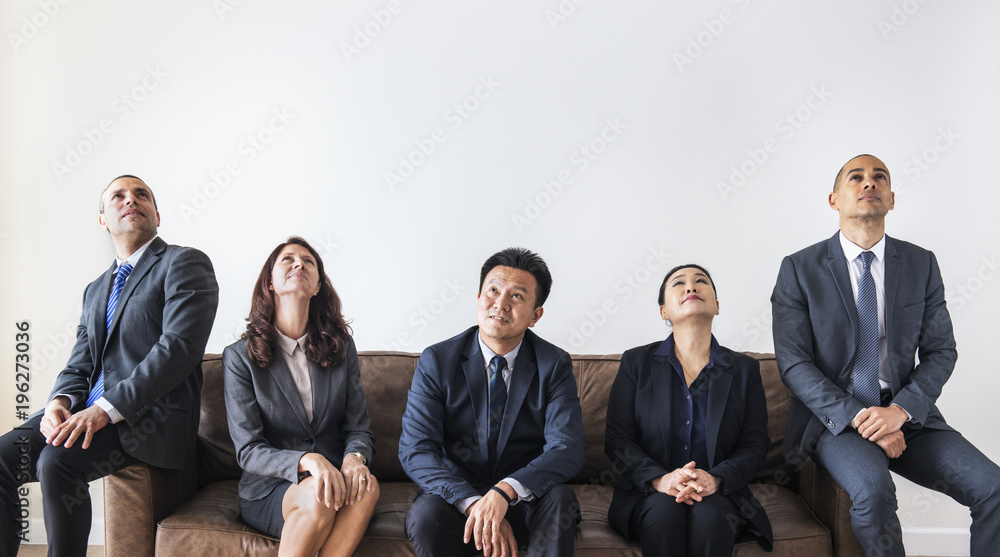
x,y
152,354
815,329
268,422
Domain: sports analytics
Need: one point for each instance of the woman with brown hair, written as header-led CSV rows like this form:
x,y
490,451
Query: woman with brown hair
x,y
297,413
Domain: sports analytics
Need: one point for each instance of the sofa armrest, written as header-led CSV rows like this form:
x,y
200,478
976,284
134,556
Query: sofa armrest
x,y
831,505
136,498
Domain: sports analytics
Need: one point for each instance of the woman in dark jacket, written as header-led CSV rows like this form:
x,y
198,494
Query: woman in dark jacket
x,y
297,413
687,428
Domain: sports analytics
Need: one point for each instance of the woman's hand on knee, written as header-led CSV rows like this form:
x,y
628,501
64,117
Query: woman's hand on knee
x,y
330,488
357,477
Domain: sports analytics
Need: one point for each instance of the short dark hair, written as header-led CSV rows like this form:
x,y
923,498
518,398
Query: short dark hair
x,y
520,258
840,173
678,268
100,204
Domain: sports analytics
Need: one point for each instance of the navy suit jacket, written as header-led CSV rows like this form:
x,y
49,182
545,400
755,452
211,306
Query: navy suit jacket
x,y
638,431
268,421
152,355
443,447
815,320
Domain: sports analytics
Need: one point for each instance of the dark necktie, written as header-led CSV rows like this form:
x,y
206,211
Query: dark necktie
x,y
866,362
123,272
498,401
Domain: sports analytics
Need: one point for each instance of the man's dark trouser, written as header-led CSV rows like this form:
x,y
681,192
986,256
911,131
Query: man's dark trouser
x,y
936,459
63,474
547,524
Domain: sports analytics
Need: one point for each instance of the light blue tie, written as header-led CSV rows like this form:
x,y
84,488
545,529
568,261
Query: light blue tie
x,y
123,272
866,362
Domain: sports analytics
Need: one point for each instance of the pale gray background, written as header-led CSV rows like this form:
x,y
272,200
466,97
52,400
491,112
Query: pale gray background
x,y
902,80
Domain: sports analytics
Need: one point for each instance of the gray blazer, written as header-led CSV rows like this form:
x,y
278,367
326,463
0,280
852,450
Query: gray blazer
x,y
268,421
152,355
815,329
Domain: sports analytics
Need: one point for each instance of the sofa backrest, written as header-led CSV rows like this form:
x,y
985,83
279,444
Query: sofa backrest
x,y
386,378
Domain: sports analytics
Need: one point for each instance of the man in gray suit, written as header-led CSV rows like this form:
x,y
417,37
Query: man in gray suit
x,y
131,389
849,314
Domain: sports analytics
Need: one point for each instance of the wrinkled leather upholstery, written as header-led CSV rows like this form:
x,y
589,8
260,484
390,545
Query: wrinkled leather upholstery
x,y
194,511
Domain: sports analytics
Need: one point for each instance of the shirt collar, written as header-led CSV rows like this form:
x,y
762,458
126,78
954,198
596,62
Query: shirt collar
x,y
715,354
852,250
134,258
288,344
488,353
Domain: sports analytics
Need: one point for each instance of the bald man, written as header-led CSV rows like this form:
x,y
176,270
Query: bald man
x,y
131,390
849,316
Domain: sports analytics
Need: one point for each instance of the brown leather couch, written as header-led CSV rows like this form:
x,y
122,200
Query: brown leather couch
x,y
194,511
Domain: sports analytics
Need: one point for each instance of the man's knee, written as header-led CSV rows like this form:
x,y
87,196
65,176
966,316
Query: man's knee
x,y
426,517
562,497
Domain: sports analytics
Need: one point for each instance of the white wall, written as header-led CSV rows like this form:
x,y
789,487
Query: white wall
x,y
180,87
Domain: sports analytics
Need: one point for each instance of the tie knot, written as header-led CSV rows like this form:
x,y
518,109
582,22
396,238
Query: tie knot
x,y
866,259
500,363
124,271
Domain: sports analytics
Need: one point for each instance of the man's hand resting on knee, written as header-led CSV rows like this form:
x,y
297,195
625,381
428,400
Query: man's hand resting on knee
x,y
60,427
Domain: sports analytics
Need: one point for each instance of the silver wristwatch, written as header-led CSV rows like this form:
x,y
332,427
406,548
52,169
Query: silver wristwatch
x,y
361,456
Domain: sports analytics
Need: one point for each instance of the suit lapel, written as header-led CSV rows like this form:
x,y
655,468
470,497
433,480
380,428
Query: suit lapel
x,y
891,285
837,264
99,315
525,371
321,380
475,378
719,383
282,377
146,262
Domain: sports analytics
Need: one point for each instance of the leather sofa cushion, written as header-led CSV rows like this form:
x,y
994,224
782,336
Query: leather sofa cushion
x,y
210,521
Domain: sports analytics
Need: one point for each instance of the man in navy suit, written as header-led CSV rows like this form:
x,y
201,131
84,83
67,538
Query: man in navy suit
x,y
131,390
849,314
493,427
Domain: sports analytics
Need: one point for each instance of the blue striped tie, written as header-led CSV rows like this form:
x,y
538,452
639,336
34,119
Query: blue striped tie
x,y
123,272
866,363
498,401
